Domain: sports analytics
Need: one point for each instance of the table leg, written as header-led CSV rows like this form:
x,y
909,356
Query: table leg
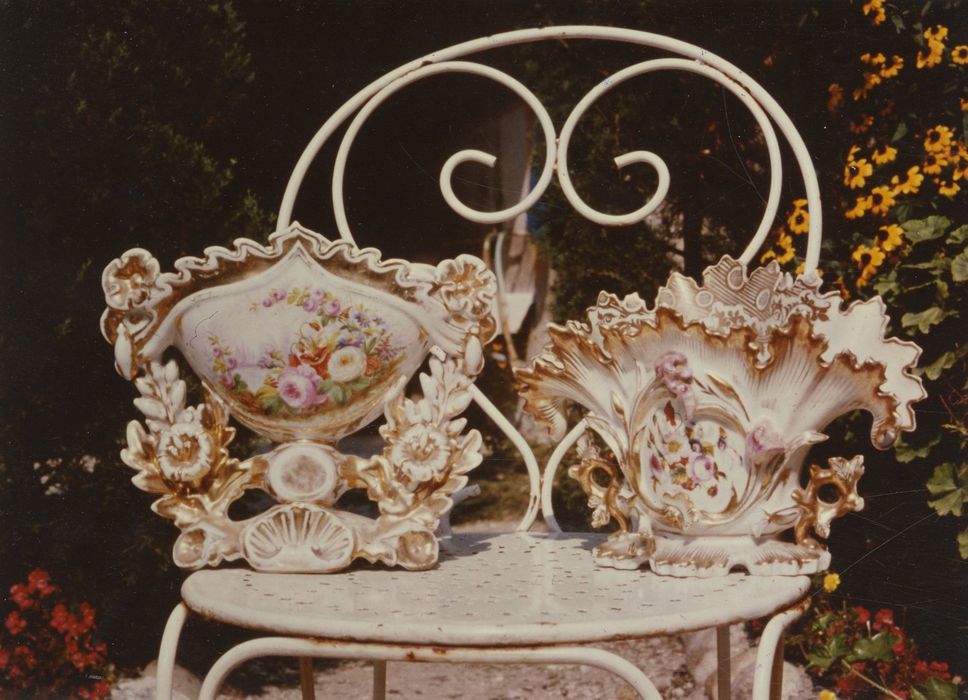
x,y
306,681
723,671
379,680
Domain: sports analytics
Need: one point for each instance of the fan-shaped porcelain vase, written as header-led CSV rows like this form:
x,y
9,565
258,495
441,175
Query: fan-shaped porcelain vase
x,y
707,405
303,341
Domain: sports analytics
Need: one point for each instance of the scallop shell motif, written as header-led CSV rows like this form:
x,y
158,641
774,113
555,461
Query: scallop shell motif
x,y
711,399
297,538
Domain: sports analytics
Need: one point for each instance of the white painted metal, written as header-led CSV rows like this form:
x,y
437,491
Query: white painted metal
x,y
286,646
488,590
689,51
169,647
469,155
765,672
773,147
551,468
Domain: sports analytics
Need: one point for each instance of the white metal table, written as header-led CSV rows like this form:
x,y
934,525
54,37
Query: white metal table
x,y
508,598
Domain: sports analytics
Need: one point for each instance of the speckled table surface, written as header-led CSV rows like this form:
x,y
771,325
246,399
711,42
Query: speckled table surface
x,y
488,589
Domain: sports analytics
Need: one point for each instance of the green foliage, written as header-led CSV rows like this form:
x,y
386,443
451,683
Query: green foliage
x,y
124,138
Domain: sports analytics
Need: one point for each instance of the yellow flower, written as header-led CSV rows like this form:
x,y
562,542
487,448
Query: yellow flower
x,y
836,93
890,237
854,150
870,80
897,63
856,173
911,184
959,54
863,125
948,189
799,204
881,200
937,139
799,221
883,154
933,163
782,250
936,33
933,57
830,582
827,695
859,209
868,260
874,8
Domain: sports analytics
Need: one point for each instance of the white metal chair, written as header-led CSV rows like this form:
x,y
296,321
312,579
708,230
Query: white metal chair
x,y
512,598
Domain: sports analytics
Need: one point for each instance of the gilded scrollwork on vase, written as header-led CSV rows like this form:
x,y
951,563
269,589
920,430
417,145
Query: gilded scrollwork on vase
x,y
337,336
709,402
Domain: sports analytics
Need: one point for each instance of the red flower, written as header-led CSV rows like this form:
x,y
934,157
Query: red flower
x,y
863,614
58,618
4,658
14,623
20,595
25,656
883,617
39,581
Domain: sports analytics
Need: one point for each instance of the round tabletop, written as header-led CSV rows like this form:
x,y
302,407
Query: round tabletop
x,y
487,589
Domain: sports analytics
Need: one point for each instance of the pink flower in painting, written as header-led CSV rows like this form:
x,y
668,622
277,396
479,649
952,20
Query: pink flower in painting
x,y
228,381
297,387
279,294
267,302
764,443
701,468
332,308
310,305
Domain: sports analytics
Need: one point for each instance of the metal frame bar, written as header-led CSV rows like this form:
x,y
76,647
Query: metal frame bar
x,y
287,646
442,61
767,675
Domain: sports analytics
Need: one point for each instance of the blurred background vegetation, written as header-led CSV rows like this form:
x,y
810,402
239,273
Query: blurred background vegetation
x,y
174,125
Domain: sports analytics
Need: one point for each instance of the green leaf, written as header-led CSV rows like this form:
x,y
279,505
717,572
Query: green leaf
x,y
905,452
959,235
900,132
934,370
920,230
931,316
823,657
935,689
963,543
877,648
950,504
944,479
959,267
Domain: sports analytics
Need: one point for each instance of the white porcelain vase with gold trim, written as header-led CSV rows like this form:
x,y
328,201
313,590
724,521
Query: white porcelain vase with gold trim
x,y
702,409
304,341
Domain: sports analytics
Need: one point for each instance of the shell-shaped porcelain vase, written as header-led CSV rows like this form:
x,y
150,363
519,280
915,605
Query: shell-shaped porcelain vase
x,y
709,402
304,341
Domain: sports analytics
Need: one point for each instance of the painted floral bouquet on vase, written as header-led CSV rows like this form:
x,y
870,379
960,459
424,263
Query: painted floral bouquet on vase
x,y
707,404
304,341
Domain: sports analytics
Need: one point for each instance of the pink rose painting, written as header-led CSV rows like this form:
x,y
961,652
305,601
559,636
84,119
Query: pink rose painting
x,y
339,351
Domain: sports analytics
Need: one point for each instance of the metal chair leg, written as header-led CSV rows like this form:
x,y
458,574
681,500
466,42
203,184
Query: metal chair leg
x,y
306,681
287,646
379,680
768,672
723,670
169,647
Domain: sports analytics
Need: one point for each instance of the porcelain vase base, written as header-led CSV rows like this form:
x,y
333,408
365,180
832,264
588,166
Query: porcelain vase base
x,y
710,557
